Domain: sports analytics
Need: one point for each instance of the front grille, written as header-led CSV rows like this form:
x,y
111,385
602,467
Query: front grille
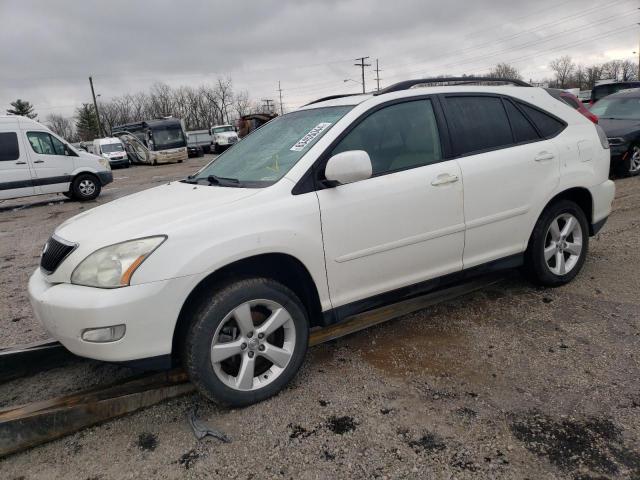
x,y
54,252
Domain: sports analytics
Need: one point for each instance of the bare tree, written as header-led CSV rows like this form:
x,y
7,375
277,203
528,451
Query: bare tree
x,y
628,70
63,126
593,74
504,70
562,67
611,70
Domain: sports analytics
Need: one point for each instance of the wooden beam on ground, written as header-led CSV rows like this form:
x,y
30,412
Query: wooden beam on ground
x,y
22,360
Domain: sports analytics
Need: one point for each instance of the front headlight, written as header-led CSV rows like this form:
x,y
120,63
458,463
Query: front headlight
x,y
113,266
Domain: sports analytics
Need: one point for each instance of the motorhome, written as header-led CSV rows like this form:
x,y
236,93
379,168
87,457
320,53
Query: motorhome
x,y
154,141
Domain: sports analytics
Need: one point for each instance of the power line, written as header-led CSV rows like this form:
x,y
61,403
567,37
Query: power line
x,y
362,65
280,92
268,104
377,79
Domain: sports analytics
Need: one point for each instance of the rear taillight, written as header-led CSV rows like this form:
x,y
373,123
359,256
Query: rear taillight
x,y
604,141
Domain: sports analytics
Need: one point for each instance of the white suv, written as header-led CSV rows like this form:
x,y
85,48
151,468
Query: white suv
x,y
339,207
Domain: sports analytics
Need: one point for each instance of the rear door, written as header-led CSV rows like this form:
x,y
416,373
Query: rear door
x,y
52,165
15,171
507,166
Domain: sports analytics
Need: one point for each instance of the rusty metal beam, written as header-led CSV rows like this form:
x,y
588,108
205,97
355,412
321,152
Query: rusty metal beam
x,y
22,360
39,422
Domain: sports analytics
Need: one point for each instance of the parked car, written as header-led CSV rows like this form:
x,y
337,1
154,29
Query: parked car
x,y
340,207
222,137
34,161
620,118
113,150
602,90
573,101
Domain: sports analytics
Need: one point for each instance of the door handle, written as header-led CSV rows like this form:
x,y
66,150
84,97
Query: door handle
x,y
38,161
21,163
544,156
444,179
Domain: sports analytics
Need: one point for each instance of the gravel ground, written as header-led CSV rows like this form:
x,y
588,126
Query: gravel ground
x,y
509,382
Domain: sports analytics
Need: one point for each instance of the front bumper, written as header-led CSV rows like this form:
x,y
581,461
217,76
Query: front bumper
x,y
105,177
119,162
149,311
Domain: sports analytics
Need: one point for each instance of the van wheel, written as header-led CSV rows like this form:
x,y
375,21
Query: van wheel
x,y
246,342
85,187
558,245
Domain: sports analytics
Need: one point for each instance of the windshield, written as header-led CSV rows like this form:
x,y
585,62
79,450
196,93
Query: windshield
x,y
170,136
266,155
622,108
111,147
223,129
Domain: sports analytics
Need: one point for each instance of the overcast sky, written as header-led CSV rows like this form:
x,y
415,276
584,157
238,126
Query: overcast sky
x,y
49,48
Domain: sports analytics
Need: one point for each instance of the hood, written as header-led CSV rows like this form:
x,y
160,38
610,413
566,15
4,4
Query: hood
x,y
615,127
159,210
87,155
226,134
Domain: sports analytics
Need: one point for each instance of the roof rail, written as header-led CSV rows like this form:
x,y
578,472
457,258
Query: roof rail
x,y
406,84
332,97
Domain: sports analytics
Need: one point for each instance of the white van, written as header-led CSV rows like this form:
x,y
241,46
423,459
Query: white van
x,y
113,150
34,161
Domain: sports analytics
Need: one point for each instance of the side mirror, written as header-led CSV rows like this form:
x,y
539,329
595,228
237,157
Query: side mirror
x,y
348,167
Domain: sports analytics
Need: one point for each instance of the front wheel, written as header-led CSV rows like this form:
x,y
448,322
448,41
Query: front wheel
x,y
85,187
246,342
558,245
630,166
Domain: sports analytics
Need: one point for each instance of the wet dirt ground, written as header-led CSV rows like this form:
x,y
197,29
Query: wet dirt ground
x,y
509,382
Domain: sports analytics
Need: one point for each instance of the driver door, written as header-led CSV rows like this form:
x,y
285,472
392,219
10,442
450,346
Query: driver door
x,y
405,224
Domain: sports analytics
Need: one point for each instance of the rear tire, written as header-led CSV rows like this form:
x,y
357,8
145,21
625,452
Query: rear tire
x,y
558,245
246,341
85,187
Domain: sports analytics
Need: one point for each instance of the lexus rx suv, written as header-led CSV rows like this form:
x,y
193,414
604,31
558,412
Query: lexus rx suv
x,y
342,206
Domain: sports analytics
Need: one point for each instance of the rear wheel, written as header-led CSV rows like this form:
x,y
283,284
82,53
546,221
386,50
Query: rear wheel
x,y
558,245
85,187
246,342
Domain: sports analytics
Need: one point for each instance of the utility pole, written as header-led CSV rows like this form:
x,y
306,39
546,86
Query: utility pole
x,y
362,65
95,105
268,104
280,91
377,79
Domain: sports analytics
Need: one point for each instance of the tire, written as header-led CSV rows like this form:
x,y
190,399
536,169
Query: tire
x,y
216,149
555,259
68,194
85,187
630,166
214,325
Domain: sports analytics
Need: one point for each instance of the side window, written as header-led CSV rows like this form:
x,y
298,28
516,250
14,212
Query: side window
x,y
477,123
523,130
546,124
9,146
41,143
58,146
571,102
397,137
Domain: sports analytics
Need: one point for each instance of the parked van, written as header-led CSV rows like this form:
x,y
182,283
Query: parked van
x,y
34,161
113,150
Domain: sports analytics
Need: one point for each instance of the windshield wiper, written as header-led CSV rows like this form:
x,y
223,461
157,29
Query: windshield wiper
x,y
215,180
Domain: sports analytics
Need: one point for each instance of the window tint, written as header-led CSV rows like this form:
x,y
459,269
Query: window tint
x,y
477,123
523,130
9,146
45,144
572,102
546,124
396,137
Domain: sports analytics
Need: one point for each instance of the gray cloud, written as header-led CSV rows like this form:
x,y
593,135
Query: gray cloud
x,y
50,48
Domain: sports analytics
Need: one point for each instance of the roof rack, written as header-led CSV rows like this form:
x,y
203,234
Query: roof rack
x,y
406,84
332,97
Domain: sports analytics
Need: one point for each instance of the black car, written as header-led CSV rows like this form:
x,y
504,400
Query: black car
x,y
619,116
600,91
194,151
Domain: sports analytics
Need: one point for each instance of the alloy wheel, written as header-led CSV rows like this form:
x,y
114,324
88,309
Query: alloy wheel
x,y
634,162
253,345
563,244
87,187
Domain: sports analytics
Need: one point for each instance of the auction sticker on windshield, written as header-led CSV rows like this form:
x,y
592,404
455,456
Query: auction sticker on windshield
x,y
308,138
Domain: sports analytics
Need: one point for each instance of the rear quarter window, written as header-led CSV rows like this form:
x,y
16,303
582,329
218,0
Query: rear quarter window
x,y
523,129
9,146
546,125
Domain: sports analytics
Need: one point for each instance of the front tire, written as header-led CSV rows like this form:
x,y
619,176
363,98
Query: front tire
x,y
85,187
630,167
246,342
558,245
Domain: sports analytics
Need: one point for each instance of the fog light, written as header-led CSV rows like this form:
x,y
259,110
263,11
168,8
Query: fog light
x,y
104,334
